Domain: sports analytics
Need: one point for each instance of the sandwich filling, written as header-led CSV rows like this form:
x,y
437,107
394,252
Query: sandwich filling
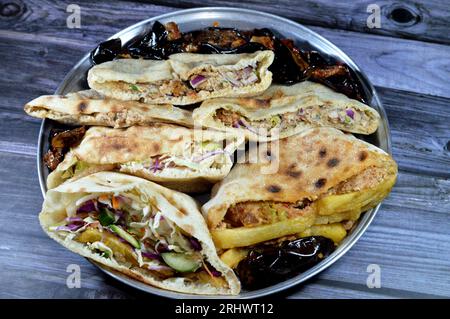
x,y
344,118
129,228
206,79
253,222
206,157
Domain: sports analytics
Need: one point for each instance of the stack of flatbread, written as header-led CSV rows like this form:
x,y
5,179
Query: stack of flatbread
x,y
159,129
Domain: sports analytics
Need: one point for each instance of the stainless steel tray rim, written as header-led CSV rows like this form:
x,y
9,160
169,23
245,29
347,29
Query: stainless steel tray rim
x,y
212,12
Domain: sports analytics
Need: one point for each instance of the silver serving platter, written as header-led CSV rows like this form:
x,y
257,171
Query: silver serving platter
x,y
194,19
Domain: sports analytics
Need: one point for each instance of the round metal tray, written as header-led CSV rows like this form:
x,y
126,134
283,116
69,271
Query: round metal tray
x,y
193,19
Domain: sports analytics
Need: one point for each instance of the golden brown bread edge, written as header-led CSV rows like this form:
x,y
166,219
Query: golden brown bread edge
x,y
310,164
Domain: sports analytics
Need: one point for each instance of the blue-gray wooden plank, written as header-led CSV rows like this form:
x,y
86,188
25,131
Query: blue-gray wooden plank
x,y
391,62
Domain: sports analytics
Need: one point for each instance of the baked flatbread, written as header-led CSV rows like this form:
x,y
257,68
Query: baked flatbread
x,y
282,111
184,159
318,177
185,78
141,229
92,108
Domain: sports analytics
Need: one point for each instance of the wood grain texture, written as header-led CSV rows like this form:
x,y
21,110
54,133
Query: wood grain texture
x,y
418,19
389,62
421,20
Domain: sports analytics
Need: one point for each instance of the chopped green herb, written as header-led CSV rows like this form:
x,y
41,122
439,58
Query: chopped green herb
x,y
134,87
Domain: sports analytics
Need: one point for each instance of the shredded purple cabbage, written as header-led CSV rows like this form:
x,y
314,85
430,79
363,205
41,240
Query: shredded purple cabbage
x,y
195,244
74,220
87,207
215,273
69,227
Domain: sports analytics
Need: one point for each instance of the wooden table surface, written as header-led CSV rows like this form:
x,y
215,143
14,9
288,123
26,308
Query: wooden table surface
x,y
408,60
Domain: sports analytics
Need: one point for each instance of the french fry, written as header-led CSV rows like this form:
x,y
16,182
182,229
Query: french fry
x,y
336,232
333,204
247,236
233,256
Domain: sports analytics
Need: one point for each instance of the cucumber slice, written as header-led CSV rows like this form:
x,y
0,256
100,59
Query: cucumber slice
x,y
122,233
106,217
181,262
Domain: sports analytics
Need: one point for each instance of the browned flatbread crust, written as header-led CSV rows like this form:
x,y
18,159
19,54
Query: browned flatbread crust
x,y
92,108
104,147
310,165
292,109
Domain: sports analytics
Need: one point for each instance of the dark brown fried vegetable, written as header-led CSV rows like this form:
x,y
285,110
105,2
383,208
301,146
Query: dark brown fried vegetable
x,y
291,64
271,264
106,51
60,143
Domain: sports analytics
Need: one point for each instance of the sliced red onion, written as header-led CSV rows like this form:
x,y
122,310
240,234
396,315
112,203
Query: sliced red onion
x,y
156,166
195,244
197,80
248,127
151,255
87,207
350,113
215,273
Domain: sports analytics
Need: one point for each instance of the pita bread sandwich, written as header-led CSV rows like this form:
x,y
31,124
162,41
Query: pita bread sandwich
x,y
322,181
141,229
185,78
177,157
92,108
282,111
